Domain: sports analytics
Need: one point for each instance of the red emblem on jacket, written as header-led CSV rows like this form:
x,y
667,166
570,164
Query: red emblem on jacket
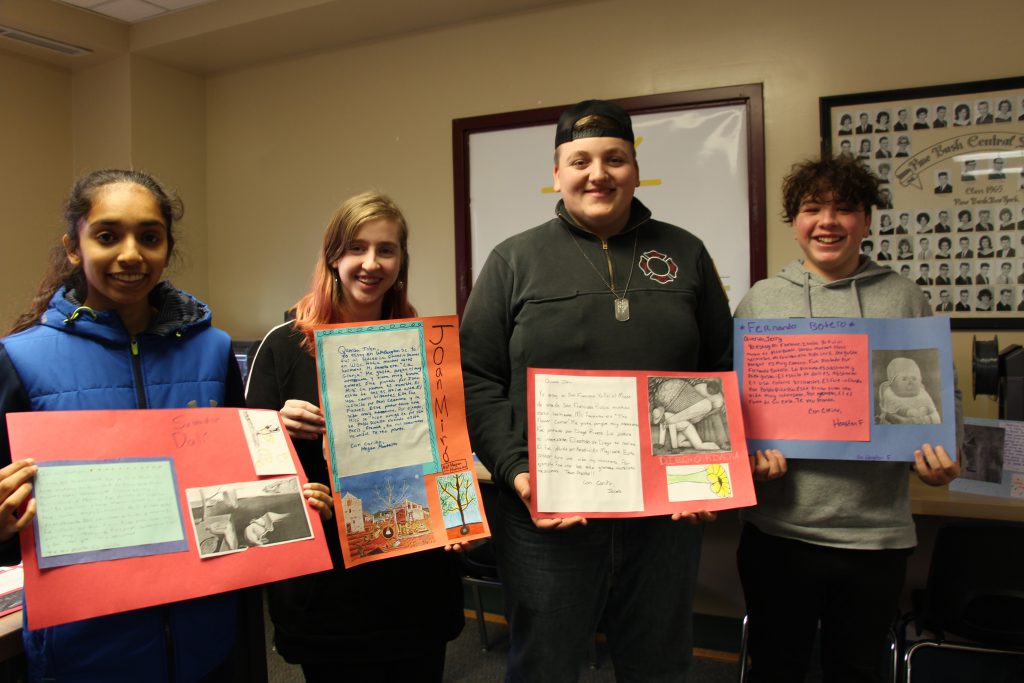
x,y
658,267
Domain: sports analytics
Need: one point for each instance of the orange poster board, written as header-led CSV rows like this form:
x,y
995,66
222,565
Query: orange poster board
x,y
396,443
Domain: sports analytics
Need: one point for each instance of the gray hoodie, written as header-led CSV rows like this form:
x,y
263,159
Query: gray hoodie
x,y
839,503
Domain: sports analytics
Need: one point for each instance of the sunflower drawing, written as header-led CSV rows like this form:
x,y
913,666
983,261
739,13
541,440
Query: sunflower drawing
x,y
718,477
715,476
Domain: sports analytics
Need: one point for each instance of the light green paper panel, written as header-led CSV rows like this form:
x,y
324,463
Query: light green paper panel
x,y
100,506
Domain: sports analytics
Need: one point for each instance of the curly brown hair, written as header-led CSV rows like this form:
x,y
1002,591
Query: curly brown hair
x,y
843,179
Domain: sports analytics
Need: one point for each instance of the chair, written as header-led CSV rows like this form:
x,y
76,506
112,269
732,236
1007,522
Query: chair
x,y
975,593
949,662
888,663
480,563
743,649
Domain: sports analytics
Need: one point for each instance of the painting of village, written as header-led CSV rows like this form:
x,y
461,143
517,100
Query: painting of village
x,y
385,512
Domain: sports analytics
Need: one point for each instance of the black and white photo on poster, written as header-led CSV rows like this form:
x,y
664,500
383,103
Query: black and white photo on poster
x,y
687,415
230,518
907,386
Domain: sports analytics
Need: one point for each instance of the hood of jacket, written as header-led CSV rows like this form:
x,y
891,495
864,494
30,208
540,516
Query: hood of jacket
x,y
867,272
177,313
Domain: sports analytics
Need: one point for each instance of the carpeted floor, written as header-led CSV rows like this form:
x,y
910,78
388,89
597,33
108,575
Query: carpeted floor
x,y
467,663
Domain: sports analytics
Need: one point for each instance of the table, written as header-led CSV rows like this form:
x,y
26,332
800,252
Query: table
x,y
940,501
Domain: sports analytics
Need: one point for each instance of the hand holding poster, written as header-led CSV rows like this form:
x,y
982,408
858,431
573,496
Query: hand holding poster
x,y
398,450
846,388
635,444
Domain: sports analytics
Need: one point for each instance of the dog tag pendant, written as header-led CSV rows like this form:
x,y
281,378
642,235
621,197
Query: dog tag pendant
x,y
622,309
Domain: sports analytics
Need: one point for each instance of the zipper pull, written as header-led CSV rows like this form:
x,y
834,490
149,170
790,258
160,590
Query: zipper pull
x,y
608,261
135,346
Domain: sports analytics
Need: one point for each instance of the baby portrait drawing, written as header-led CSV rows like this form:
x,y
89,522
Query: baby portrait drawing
x,y
903,392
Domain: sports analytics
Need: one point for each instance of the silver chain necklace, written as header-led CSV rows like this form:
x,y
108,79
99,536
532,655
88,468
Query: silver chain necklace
x,y
621,302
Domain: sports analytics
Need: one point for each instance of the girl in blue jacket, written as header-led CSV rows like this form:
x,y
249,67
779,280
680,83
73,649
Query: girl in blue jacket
x,y
104,332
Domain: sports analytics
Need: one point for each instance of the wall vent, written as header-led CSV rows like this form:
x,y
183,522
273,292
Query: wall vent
x,y
42,42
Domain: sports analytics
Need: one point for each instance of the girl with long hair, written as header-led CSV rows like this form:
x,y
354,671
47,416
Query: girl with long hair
x,y
391,618
105,332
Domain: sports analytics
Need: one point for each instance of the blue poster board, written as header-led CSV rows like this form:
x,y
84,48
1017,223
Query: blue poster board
x,y
896,425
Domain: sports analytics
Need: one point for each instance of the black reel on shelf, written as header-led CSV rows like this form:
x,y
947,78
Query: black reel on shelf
x,y
1000,374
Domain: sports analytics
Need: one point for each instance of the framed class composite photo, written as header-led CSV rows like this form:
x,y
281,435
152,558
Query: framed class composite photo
x,y
951,162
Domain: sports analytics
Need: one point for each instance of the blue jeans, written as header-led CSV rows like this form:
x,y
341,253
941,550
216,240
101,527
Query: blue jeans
x,y
640,574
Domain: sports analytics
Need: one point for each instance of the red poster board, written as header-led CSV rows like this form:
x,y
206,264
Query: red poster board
x,y
609,443
208,447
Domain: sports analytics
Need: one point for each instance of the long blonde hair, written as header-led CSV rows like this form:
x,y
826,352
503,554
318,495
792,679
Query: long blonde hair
x,y
324,303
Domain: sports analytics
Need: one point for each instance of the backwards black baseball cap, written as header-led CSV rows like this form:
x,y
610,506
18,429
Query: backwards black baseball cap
x,y
566,132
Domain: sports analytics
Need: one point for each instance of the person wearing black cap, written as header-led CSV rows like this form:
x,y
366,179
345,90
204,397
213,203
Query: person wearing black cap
x,y
600,286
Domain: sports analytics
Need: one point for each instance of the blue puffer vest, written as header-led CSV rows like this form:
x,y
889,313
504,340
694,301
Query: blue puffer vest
x,y
80,359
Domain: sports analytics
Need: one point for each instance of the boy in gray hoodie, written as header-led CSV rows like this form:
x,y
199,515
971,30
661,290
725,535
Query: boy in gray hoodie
x,y
828,540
